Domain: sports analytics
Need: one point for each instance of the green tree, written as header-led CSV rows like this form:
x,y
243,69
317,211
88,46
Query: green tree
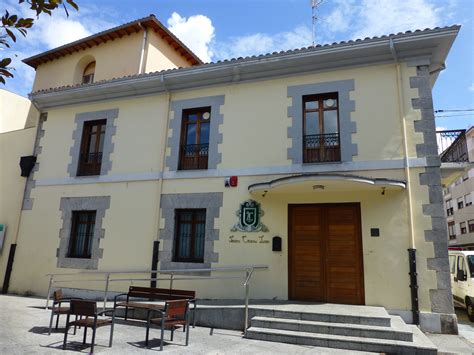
x,y
11,23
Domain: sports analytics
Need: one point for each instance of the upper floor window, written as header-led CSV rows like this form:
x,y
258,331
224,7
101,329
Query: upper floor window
x,y
321,141
92,145
470,224
451,230
88,75
82,231
460,201
462,225
190,235
468,199
449,207
194,150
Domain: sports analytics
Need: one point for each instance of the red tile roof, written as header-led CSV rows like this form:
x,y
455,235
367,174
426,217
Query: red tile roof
x,y
111,34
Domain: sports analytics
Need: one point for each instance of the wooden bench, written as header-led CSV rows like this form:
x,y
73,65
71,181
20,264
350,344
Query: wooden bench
x,y
153,293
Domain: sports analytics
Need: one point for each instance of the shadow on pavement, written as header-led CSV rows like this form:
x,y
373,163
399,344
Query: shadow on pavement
x,y
45,330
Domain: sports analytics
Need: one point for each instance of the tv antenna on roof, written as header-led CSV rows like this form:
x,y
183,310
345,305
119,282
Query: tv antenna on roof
x,y
314,5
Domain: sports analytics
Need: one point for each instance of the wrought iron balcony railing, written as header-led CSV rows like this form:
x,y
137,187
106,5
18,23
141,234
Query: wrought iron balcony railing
x,y
193,156
452,146
320,148
89,164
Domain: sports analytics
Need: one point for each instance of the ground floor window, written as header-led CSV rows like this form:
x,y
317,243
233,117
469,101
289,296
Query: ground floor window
x,y
190,235
82,232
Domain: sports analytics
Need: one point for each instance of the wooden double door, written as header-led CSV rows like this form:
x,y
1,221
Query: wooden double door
x,y
325,253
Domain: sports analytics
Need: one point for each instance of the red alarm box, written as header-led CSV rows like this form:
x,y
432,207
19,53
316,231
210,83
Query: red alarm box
x,y
231,181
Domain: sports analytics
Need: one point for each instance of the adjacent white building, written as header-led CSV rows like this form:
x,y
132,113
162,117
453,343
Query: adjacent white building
x,y
458,198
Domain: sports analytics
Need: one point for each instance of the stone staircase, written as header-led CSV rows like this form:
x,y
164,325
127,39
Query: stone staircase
x,y
358,328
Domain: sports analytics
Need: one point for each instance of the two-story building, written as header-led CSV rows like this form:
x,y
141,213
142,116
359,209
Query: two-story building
x,y
330,148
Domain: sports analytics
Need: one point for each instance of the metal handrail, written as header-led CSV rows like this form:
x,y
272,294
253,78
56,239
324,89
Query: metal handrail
x,y
167,271
249,269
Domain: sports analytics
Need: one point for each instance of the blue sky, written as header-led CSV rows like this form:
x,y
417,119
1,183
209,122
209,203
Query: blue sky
x,y
217,29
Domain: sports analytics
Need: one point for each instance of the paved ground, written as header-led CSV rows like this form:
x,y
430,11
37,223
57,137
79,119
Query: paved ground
x,y
466,327
451,344
23,330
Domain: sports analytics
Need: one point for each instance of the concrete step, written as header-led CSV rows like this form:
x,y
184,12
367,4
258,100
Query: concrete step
x,y
398,331
372,316
421,344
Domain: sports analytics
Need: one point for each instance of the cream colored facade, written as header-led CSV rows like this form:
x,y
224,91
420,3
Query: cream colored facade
x,y
111,61
16,112
18,119
253,141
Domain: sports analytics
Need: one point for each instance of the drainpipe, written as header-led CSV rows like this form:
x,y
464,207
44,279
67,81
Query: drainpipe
x,y
141,67
13,245
412,247
160,181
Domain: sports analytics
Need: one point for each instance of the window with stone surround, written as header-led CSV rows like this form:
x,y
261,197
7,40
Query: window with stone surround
x,y
92,143
92,147
327,135
190,235
194,147
82,232
211,203
197,153
321,128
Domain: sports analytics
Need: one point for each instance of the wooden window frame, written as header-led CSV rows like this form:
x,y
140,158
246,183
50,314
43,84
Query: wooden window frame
x,y
324,153
194,222
200,157
90,224
85,167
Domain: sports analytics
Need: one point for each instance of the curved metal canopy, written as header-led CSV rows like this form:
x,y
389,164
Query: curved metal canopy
x,y
308,178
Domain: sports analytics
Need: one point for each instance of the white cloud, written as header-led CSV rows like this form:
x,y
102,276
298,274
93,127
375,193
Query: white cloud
x,y
58,32
378,17
261,43
338,19
196,32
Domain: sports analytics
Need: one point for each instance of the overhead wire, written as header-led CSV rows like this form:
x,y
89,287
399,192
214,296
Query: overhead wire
x,y
455,110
